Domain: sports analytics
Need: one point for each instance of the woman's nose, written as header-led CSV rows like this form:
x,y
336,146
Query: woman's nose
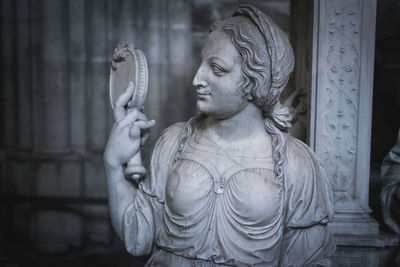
x,y
199,79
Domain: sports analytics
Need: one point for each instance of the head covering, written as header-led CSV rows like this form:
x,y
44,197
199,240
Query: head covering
x,y
281,57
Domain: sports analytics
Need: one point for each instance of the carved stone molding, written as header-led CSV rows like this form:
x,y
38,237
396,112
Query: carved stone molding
x,y
341,105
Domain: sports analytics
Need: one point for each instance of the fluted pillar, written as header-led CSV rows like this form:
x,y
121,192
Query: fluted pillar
x,y
77,75
157,57
8,75
180,60
24,104
55,84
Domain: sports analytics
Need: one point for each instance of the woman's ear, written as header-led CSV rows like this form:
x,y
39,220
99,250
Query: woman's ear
x,y
249,97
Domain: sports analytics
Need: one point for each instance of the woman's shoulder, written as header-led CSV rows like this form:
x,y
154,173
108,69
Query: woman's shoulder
x,y
297,150
301,160
181,128
168,139
306,182
161,160
173,130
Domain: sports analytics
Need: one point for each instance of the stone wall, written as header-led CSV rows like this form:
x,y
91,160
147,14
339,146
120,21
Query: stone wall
x,y
55,113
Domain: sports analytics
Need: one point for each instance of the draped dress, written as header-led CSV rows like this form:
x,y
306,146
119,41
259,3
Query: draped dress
x,y
189,211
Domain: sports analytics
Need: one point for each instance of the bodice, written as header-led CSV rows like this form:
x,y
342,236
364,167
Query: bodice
x,y
216,206
218,201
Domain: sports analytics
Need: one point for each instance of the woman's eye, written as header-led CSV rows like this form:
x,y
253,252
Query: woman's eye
x,y
217,69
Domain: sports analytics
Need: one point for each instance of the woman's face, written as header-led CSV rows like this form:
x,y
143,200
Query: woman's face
x,y
218,78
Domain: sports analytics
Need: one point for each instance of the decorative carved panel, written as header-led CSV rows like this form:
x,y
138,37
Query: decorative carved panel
x,y
341,101
341,105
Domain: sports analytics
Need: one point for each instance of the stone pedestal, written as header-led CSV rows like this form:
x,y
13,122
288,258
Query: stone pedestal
x,y
366,251
341,106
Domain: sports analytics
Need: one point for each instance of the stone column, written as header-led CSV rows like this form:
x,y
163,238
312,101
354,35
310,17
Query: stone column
x,y
157,59
8,75
98,71
341,106
24,105
55,84
77,77
179,44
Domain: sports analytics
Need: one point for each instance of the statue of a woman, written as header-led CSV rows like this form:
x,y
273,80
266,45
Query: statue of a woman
x,y
390,187
230,187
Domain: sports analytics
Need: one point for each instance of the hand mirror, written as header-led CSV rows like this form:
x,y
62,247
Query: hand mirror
x,y
129,65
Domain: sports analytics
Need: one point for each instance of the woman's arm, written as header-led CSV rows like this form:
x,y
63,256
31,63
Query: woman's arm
x,y
121,193
308,209
123,144
308,246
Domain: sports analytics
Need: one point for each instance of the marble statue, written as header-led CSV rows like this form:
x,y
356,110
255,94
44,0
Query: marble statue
x,y
390,184
230,187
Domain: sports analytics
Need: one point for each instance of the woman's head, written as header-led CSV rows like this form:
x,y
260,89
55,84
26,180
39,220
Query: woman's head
x,y
218,77
250,45
267,61
266,58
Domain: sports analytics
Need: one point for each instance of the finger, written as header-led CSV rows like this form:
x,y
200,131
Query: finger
x,y
119,110
141,125
144,138
142,116
119,113
128,119
145,124
133,131
124,98
135,171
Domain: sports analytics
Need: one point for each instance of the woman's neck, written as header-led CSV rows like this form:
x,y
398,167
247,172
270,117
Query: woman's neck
x,y
247,125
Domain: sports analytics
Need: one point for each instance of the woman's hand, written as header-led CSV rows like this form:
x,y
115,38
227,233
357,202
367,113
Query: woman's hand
x,y
125,137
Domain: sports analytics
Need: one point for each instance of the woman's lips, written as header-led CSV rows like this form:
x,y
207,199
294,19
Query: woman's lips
x,y
202,95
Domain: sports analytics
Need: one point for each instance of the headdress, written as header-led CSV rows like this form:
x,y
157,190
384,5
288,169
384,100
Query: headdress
x,y
281,57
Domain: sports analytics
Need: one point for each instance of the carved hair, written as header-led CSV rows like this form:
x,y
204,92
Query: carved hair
x,y
263,79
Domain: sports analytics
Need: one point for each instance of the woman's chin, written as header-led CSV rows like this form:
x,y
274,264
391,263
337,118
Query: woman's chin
x,y
202,107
